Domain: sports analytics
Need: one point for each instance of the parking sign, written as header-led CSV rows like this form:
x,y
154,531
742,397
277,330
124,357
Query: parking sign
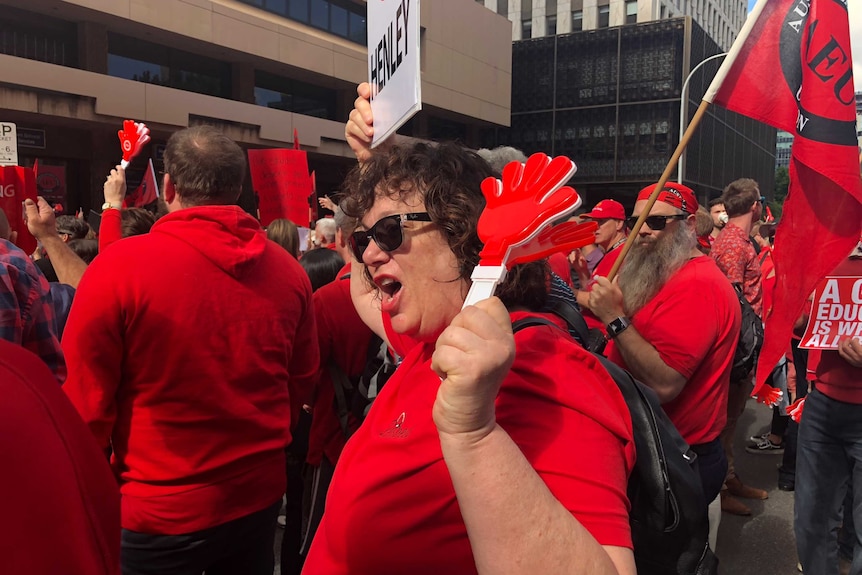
x,y
8,144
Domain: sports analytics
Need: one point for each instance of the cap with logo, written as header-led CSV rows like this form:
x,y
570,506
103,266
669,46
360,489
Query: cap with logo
x,y
607,210
679,196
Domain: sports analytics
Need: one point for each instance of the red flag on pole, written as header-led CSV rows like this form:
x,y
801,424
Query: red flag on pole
x,y
17,184
147,192
791,68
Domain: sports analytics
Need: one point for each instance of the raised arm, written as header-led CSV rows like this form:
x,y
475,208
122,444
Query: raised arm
x,y
43,225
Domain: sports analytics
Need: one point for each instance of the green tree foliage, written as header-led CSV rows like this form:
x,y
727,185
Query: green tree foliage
x,y
782,181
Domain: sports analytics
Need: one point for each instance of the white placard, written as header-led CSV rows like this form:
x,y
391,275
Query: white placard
x,y
393,64
8,144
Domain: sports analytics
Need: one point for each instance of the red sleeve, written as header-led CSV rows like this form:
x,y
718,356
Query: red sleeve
x,y
93,344
579,438
304,360
110,228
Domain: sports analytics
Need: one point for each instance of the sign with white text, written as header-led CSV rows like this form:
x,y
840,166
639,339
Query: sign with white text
x,y
8,144
836,313
393,64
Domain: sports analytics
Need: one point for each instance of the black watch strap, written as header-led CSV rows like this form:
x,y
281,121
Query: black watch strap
x,y
617,326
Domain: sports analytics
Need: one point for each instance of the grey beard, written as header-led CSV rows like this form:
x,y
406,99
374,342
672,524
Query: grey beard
x,y
648,266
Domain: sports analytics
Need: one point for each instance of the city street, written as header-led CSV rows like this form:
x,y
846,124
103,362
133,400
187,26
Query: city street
x,y
762,544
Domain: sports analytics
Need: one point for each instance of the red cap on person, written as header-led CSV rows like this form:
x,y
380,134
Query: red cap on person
x,y
677,195
607,210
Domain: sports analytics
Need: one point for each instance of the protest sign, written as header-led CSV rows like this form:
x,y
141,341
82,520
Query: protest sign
x,y
393,64
16,185
836,313
281,184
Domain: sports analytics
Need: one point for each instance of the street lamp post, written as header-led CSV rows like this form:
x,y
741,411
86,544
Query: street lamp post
x,y
683,108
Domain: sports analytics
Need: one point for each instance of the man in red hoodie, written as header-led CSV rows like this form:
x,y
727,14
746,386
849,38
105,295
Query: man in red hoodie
x,y
186,346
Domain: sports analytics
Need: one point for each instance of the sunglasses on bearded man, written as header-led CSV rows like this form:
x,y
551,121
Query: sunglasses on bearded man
x,y
655,223
387,233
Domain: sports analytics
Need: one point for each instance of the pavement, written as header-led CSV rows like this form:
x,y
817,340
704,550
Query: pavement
x,y
762,544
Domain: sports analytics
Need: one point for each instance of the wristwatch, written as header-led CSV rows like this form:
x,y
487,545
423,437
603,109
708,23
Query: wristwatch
x,y
617,326
109,206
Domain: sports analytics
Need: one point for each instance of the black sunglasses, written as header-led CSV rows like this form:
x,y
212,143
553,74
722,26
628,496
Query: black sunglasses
x,y
387,233
655,223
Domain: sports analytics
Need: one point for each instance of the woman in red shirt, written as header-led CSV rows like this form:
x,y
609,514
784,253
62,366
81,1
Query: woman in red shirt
x,y
473,458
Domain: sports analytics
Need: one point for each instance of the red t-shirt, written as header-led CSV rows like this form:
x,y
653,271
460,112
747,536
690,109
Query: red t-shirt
x,y
833,376
602,269
343,340
392,508
693,322
560,265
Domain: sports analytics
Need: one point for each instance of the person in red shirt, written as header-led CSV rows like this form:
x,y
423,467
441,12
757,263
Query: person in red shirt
x,y
829,449
736,258
185,346
466,456
61,506
610,237
674,322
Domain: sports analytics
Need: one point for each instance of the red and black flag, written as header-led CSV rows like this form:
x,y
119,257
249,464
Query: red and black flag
x,y
791,68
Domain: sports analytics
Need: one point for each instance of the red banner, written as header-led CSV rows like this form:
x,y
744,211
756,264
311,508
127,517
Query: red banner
x,y
836,313
16,185
791,68
281,184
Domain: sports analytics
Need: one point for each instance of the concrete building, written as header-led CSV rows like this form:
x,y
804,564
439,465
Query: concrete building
x,y
721,19
73,70
610,99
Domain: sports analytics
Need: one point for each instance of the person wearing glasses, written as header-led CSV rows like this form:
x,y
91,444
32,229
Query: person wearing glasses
x,y
472,458
673,321
610,215
737,259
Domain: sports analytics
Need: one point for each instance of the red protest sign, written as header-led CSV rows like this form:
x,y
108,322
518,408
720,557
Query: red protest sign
x,y
282,184
836,313
16,185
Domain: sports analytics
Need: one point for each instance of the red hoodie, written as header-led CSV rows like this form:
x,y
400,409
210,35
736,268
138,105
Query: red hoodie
x,y
182,345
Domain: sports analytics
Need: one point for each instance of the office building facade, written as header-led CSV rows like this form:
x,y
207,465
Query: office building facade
x,y
73,70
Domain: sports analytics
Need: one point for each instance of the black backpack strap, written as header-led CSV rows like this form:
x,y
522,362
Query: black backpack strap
x,y
573,318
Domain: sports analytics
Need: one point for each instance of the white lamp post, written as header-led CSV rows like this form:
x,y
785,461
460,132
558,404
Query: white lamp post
x,y
683,108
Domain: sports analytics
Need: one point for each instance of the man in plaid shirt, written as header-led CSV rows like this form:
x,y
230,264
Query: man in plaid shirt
x,y
26,312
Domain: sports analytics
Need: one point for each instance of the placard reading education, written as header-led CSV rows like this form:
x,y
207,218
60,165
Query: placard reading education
x,y
393,64
836,313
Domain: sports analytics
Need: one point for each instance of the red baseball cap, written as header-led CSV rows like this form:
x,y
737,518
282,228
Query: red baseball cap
x,y
677,195
607,210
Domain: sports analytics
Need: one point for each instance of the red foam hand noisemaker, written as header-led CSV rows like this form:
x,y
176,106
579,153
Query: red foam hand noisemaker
x,y
794,410
517,208
561,238
133,136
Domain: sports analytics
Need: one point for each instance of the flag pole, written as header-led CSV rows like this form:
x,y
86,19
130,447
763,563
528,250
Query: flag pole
x,y
665,176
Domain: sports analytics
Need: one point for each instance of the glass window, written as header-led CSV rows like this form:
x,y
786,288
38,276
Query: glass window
x,y
526,29
551,25
293,96
338,20
277,6
357,31
604,16
503,7
298,10
631,11
577,20
131,69
320,14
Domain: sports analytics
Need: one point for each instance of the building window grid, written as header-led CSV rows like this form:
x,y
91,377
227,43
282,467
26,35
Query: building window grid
x,y
338,17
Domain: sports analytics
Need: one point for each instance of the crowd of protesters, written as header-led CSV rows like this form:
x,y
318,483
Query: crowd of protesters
x,y
180,379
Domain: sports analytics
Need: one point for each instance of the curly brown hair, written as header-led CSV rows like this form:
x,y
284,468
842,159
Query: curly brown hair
x,y
447,179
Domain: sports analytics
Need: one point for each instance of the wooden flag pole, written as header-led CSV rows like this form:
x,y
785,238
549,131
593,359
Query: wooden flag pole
x,y
665,176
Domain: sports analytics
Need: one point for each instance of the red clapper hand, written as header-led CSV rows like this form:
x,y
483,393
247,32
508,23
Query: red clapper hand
x,y
133,136
561,238
529,197
767,395
795,409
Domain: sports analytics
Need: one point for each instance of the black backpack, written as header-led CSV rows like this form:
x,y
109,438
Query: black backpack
x,y
669,520
750,339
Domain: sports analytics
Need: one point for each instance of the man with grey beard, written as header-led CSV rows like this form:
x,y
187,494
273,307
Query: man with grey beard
x,y
673,321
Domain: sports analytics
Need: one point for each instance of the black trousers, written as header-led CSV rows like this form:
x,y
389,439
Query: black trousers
x,y
243,546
